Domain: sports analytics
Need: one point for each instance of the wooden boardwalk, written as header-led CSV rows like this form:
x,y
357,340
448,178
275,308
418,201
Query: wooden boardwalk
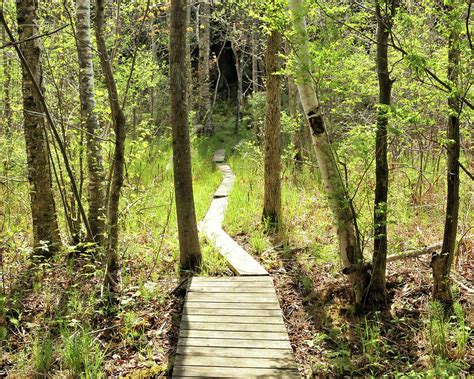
x,y
232,326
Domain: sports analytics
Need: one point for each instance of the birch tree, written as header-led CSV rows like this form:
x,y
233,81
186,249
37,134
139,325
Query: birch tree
x,y
339,201
95,169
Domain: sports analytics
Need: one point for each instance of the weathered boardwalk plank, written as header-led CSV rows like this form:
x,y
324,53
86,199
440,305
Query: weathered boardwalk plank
x,y
221,341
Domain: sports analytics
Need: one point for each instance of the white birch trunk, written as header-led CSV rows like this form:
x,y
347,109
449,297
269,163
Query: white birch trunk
x,y
350,252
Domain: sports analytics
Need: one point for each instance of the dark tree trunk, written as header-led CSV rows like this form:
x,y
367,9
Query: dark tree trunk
x,y
118,120
441,263
7,109
377,289
203,67
45,225
272,171
190,254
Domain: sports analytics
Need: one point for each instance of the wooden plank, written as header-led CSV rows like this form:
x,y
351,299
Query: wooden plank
x,y
225,305
235,319
251,279
222,334
243,343
239,260
235,352
234,312
232,297
282,363
193,325
219,156
242,285
231,290
229,372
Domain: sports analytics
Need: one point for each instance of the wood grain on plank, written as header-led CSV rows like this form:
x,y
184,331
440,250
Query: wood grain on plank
x,y
258,327
243,343
235,312
235,319
268,336
232,297
226,305
231,290
250,362
236,352
226,372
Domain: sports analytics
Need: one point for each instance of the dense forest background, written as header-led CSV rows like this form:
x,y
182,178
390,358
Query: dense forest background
x,y
92,264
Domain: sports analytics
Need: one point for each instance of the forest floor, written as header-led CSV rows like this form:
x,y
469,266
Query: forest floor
x,y
55,324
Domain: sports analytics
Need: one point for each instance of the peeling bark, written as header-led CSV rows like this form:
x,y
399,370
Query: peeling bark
x,y
339,201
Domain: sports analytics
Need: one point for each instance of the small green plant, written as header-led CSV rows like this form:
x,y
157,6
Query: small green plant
x,y
82,354
438,329
371,343
461,334
258,242
43,355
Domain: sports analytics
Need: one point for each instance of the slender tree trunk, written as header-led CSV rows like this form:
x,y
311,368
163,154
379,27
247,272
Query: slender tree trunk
x,y
301,133
189,33
377,290
339,201
95,168
272,169
45,225
441,263
118,163
203,67
7,109
240,92
190,254
255,58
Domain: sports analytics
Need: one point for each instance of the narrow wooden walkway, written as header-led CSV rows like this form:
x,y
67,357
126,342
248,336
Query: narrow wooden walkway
x,y
232,326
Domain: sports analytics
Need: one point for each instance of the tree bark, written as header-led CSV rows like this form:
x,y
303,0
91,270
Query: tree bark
x,y
7,109
339,201
190,254
255,57
377,291
45,224
240,92
95,168
118,120
272,169
203,67
441,263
